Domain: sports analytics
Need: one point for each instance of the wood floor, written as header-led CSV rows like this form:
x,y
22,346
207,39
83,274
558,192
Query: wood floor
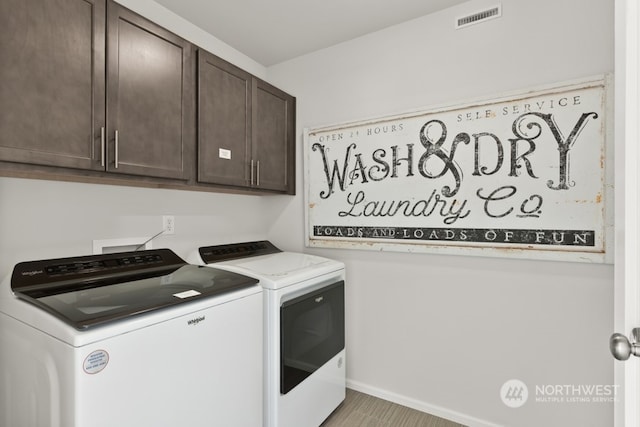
x,y
362,410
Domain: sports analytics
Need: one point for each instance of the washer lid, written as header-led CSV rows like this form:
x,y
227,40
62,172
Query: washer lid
x,y
93,290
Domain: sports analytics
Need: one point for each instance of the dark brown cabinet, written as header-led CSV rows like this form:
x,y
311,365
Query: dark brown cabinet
x,y
246,129
150,118
52,82
273,137
54,109
91,91
224,122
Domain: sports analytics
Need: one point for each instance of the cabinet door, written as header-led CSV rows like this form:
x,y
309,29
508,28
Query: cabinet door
x,y
150,111
224,125
52,82
273,138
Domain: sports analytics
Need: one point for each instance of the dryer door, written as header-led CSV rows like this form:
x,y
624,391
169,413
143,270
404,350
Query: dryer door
x,y
311,333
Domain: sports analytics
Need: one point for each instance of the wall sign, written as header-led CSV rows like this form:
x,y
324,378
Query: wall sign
x,y
522,175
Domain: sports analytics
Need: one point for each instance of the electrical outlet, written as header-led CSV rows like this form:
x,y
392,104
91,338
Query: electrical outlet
x,y
168,224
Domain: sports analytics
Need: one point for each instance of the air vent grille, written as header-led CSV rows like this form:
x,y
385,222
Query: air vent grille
x,y
485,15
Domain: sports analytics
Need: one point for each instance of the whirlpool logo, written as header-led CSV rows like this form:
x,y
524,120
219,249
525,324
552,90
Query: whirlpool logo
x,y
32,273
195,321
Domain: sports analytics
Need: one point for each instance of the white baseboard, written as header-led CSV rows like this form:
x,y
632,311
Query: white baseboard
x,y
438,411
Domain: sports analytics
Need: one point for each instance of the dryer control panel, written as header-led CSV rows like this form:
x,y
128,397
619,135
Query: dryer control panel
x,y
211,254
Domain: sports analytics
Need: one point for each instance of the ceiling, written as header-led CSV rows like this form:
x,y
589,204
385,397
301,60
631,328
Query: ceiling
x,y
273,31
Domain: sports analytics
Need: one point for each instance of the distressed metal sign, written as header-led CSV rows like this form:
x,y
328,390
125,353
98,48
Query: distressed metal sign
x,y
518,174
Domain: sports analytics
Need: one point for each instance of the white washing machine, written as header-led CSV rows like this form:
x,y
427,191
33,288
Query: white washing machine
x,y
138,339
304,328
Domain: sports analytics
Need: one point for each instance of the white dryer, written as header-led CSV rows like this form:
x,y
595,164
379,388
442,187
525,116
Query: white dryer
x,y
304,328
138,339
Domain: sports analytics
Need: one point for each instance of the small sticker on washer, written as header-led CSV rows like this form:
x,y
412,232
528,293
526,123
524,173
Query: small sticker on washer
x,y
96,361
224,153
187,294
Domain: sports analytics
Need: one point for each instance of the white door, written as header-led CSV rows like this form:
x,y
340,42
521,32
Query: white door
x,y
627,217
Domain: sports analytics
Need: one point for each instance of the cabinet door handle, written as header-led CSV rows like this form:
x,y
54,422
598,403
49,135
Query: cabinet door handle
x,y
102,146
116,151
258,173
251,183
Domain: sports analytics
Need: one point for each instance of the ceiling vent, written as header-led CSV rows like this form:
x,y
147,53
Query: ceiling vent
x,y
482,16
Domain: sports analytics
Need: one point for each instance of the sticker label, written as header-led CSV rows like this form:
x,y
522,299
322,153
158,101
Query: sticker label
x,y
224,153
96,361
187,294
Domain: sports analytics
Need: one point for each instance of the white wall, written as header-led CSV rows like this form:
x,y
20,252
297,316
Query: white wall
x,y
45,219
443,333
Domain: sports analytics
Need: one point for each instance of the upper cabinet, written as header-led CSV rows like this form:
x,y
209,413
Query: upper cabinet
x,y
224,122
52,84
150,112
246,129
273,136
54,109
89,90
